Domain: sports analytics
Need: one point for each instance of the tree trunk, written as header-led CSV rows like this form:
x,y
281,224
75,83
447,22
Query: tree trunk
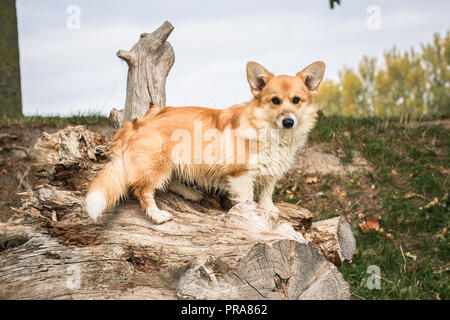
x,y
10,91
149,63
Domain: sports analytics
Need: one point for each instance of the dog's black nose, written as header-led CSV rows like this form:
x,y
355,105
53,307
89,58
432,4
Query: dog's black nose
x,y
288,123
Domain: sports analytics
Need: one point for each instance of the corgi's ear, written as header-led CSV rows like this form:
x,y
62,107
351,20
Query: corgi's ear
x,y
257,77
312,75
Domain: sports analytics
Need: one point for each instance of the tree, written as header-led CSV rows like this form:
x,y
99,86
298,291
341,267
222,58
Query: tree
x,y
351,85
413,83
367,69
10,91
436,61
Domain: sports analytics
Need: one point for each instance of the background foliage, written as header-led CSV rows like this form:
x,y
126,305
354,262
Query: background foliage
x,y
413,83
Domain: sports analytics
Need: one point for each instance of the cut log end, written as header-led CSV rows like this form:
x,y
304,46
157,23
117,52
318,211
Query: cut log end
x,y
347,241
285,270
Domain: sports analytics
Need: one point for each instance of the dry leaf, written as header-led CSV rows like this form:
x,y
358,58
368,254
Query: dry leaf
x,y
372,224
394,172
442,234
311,180
443,170
340,192
412,256
412,194
432,203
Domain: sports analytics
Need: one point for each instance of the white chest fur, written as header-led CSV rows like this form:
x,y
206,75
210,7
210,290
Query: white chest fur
x,y
277,151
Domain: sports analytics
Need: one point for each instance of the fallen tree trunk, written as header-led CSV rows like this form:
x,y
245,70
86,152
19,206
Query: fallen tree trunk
x,y
50,249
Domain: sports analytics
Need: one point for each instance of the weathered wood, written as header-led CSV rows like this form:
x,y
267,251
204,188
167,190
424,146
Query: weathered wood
x,y
149,63
50,249
334,238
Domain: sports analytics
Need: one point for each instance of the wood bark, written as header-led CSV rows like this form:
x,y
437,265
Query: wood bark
x,y
50,249
149,62
10,88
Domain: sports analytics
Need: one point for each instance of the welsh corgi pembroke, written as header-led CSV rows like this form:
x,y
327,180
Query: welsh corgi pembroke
x,y
242,150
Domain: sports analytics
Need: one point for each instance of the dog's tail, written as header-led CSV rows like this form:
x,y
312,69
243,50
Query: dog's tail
x,y
107,188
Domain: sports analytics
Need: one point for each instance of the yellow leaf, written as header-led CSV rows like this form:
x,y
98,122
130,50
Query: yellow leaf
x,y
372,224
311,180
410,255
442,234
432,203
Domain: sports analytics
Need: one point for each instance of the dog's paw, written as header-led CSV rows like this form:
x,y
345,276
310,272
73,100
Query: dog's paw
x,y
271,211
158,216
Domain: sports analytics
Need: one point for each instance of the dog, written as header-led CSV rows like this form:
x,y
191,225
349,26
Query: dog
x,y
242,150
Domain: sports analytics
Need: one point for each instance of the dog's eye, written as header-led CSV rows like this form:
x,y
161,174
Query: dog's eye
x,y
295,100
275,100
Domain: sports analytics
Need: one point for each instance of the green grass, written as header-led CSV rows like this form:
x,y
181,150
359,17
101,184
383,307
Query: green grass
x,y
410,185
54,121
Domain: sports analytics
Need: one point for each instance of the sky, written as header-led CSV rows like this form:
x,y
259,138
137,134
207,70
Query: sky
x,y
68,48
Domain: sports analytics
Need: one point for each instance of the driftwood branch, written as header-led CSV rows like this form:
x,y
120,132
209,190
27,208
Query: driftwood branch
x,y
149,63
